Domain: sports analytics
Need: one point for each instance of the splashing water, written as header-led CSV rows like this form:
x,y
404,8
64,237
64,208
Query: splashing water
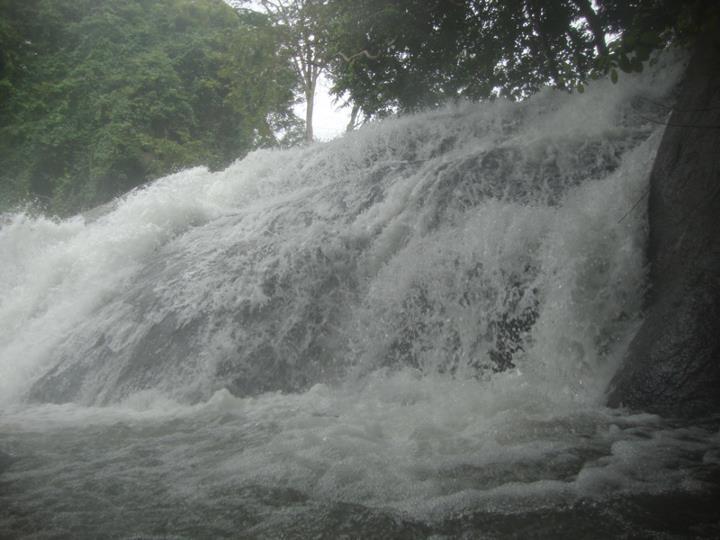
x,y
407,331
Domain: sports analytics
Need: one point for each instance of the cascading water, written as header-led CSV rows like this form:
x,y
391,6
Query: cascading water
x,y
405,332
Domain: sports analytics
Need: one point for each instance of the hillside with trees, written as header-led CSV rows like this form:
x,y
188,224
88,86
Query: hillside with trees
x,y
98,97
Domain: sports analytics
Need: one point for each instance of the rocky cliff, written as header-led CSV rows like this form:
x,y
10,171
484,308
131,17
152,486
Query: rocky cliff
x,y
673,364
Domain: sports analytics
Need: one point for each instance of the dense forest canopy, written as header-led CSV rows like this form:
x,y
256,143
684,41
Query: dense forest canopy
x,y
99,96
419,53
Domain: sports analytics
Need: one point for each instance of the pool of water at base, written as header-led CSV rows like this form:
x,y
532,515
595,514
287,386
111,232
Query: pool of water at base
x,y
389,461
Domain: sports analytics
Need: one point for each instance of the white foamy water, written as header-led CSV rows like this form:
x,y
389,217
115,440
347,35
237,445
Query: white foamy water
x,y
405,332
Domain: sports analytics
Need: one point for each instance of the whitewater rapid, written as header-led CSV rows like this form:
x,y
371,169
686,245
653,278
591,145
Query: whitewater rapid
x,y
466,240
409,330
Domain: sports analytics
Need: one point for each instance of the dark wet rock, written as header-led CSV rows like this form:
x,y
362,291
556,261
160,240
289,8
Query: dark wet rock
x,y
673,364
5,461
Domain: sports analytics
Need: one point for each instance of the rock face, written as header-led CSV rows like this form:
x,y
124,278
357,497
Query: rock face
x,y
673,364
5,461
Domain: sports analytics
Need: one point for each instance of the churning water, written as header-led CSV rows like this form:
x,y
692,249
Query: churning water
x,y
403,333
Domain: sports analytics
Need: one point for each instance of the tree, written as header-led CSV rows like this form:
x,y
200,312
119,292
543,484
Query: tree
x,y
305,27
101,96
424,52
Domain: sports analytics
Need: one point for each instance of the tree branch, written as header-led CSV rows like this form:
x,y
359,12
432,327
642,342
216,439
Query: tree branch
x,y
350,59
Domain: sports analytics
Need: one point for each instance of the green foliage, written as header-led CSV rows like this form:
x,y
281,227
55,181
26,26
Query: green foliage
x,y
643,27
419,53
99,96
423,52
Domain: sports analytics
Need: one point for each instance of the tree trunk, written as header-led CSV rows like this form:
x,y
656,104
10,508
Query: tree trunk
x,y
353,118
310,105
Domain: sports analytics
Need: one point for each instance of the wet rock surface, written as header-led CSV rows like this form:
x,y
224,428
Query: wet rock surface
x,y
5,461
673,364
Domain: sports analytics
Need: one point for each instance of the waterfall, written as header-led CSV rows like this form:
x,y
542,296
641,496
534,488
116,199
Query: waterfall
x,y
417,320
469,240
